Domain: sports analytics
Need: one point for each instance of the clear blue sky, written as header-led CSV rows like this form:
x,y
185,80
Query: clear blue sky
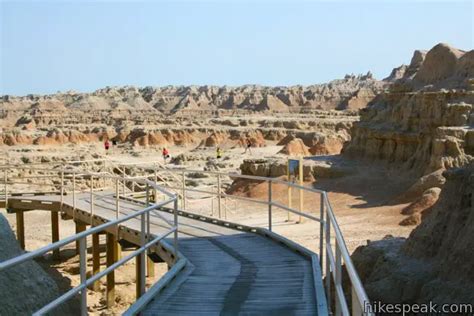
x,y
85,45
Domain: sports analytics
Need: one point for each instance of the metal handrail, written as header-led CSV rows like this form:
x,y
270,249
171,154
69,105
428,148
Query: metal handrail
x,y
357,286
162,167
63,242
327,221
145,237
83,286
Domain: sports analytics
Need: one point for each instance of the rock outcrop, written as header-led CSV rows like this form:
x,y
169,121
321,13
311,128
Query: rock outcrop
x,y
421,207
418,124
311,169
435,262
295,147
26,287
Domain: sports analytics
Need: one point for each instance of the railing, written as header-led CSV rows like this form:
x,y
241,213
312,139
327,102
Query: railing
x,y
178,183
178,180
146,239
333,253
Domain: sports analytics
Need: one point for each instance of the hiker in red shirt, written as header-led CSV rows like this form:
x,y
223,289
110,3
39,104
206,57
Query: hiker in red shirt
x,y
106,145
165,153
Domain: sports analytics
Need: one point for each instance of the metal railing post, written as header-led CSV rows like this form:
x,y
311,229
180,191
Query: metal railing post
x,y
112,261
183,177
225,208
6,186
219,194
321,230
123,180
175,241
74,195
356,308
338,280
289,198
142,255
92,200
117,206
104,169
270,205
148,213
301,192
212,206
83,267
154,189
328,263
62,190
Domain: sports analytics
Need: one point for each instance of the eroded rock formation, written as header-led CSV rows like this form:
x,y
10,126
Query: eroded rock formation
x,y
320,135
350,92
418,123
435,262
38,288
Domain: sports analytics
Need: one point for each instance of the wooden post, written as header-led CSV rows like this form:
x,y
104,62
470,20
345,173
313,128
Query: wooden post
x,y
95,259
111,259
150,268
79,228
118,249
300,173
20,228
138,273
55,232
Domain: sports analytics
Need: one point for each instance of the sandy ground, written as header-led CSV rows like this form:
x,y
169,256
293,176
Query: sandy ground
x,y
361,203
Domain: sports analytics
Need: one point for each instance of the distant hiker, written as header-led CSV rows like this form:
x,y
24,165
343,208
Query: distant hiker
x,y
165,153
106,145
218,153
247,145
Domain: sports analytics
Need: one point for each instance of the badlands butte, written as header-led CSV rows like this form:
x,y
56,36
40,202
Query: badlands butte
x,y
395,156
186,115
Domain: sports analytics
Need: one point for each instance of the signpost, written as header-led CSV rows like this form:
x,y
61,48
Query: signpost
x,y
295,174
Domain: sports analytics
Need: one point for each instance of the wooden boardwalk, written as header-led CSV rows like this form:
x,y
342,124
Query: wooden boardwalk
x,y
229,271
239,274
